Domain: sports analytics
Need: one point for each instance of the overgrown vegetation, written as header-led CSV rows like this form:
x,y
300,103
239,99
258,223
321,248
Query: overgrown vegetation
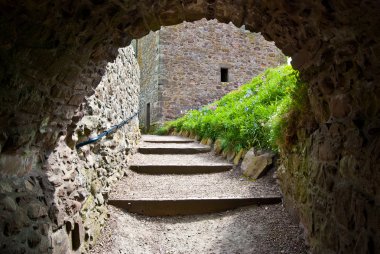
x,y
252,116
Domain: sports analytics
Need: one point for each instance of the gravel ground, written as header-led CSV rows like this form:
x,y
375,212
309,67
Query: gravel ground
x,y
254,229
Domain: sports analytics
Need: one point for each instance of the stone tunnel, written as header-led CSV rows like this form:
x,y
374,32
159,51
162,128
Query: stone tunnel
x,y
54,54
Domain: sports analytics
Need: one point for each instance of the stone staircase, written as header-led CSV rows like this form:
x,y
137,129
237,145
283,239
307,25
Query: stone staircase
x,y
176,176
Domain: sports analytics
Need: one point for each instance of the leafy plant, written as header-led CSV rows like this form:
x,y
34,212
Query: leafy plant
x,y
251,116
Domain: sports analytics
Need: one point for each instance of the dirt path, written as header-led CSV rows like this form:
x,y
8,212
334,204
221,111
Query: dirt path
x,y
262,230
251,229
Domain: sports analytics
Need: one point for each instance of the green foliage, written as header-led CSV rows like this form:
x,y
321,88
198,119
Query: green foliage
x,y
252,116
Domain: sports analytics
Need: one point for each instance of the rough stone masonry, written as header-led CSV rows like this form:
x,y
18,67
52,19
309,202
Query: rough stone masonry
x,y
59,205
53,53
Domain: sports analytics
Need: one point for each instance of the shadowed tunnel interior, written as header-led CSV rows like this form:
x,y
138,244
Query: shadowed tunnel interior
x,y
54,53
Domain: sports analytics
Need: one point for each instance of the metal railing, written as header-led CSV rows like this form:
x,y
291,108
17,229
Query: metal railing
x,y
107,132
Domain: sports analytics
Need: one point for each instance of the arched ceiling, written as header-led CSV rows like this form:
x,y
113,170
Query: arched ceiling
x,y
54,52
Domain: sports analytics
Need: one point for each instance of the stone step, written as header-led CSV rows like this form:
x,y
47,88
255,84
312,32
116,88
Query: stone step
x,y
165,139
159,193
178,169
178,164
223,185
172,148
175,207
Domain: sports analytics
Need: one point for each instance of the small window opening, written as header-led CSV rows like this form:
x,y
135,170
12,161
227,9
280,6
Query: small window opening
x,y
224,74
75,237
147,122
136,48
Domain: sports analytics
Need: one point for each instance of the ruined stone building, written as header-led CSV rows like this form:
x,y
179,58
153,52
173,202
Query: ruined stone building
x,y
189,65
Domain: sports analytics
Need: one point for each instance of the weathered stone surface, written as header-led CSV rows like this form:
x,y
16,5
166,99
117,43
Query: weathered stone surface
x,y
33,240
5,187
238,156
36,210
96,187
8,204
218,146
60,241
13,226
254,164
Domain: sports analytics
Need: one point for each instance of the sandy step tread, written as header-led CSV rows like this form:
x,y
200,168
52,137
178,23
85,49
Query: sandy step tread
x,y
165,139
217,185
183,159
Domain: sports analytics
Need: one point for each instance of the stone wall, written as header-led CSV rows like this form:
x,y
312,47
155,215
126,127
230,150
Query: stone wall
x,y
60,203
330,171
148,59
191,58
53,54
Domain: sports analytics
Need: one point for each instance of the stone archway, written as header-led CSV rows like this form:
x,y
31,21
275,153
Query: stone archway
x,y
54,53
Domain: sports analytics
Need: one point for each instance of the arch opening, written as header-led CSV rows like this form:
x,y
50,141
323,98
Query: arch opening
x,y
51,61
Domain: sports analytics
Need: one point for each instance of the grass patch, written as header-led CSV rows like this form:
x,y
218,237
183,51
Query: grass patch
x,y
255,115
